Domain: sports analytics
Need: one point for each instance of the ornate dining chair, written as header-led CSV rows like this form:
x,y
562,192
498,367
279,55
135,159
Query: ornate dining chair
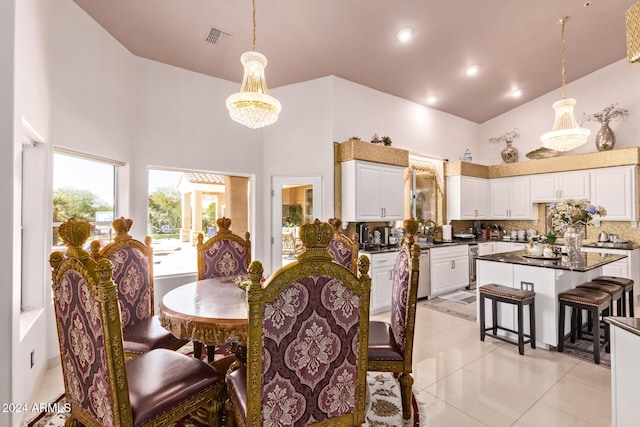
x,y
308,331
133,274
343,249
391,344
225,255
154,389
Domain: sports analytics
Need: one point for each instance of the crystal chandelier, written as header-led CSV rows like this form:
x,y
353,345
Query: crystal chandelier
x,y
633,33
566,134
253,106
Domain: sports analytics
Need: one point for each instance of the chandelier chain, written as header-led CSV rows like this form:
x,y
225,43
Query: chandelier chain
x,y
562,22
254,25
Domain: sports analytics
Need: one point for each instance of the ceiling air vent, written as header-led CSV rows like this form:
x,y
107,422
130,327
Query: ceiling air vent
x,y
216,35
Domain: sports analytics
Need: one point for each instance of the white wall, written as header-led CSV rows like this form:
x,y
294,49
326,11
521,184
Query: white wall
x,y
7,216
616,83
361,111
299,144
181,121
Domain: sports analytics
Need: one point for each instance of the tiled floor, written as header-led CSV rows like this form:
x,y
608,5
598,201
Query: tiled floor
x,y
462,381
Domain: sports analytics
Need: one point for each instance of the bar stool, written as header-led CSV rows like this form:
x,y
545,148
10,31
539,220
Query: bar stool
x,y
627,285
614,290
518,297
595,302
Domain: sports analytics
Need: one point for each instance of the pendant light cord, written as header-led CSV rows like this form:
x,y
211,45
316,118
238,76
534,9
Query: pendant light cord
x,y
254,29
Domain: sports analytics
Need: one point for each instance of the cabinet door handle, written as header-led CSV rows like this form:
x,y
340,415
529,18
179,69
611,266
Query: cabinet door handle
x,y
453,264
475,212
390,274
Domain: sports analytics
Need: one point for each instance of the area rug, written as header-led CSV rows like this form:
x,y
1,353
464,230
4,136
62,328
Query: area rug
x,y
384,407
461,297
466,311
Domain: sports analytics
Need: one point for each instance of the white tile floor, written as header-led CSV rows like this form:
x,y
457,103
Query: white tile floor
x,y
462,381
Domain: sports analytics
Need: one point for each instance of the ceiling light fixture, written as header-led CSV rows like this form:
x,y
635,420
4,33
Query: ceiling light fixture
x,y
472,70
633,33
253,106
405,34
432,99
516,93
566,134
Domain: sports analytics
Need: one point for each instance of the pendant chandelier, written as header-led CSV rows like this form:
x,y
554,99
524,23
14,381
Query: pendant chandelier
x,y
633,33
253,106
566,134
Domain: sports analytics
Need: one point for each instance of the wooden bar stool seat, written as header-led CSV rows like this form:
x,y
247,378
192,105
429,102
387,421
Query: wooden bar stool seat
x,y
614,290
595,302
627,285
517,297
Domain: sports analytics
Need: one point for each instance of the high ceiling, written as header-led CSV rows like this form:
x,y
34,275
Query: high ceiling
x,y
516,43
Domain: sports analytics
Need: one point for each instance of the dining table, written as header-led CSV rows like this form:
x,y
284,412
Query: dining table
x,y
209,312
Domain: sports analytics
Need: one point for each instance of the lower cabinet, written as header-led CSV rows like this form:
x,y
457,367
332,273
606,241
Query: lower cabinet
x,y
449,269
381,280
628,267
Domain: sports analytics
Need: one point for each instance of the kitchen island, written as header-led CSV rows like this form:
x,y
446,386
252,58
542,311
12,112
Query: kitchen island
x,y
546,277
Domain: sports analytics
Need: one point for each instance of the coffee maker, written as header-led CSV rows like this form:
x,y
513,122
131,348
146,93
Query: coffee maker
x,y
362,228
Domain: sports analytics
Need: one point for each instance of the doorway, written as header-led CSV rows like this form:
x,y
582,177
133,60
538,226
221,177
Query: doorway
x,y
295,200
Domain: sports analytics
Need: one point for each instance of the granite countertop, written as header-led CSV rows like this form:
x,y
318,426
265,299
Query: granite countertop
x,y
630,324
588,260
611,245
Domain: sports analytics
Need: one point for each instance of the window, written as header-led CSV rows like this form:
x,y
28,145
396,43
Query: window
x,y
84,188
183,204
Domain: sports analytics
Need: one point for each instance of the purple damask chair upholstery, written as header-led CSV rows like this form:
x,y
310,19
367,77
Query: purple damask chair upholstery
x,y
308,331
133,274
224,255
343,249
391,344
102,388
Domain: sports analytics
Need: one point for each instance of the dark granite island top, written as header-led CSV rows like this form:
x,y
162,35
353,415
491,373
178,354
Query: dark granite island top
x,y
630,324
588,260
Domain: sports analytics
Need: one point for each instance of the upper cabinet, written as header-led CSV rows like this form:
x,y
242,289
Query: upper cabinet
x,y
615,189
510,198
372,191
467,197
551,187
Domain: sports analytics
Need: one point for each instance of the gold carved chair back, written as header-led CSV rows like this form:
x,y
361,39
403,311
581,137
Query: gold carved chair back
x,y
344,250
225,254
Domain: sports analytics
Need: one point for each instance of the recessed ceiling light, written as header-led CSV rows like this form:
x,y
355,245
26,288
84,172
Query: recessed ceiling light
x,y
432,99
516,93
405,34
472,70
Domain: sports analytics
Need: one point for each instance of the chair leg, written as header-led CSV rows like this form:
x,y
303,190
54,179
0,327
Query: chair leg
x,y
607,337
494,316
561,328
211,353
631,303
482,323
596,337
575,319
624,304
197,350
406,384
520,330
532,323
230,416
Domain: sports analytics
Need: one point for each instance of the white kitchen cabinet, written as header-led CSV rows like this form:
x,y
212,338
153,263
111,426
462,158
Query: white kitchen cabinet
x,y
449,269
487,248
467,197
615,189
496,247
551,187
510,198
381,280
372,191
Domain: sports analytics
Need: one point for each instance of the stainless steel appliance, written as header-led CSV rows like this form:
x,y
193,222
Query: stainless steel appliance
x,y
385,232
473,254
424,278
362,229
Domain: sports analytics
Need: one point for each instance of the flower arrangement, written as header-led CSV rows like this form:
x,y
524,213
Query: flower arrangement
x,y
570,212
507,137
608,114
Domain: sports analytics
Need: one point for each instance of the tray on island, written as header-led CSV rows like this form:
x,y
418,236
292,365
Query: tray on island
x,y
549,258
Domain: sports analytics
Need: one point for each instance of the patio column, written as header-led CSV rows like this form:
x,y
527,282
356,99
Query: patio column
x,y
237,203
185,231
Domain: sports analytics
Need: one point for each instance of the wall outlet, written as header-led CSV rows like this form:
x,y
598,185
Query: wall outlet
x,y
33,358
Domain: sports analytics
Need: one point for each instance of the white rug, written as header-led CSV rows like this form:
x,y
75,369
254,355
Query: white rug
x,y
462,297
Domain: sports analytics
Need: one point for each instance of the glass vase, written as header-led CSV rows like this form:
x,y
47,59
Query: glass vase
x,y
573,242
